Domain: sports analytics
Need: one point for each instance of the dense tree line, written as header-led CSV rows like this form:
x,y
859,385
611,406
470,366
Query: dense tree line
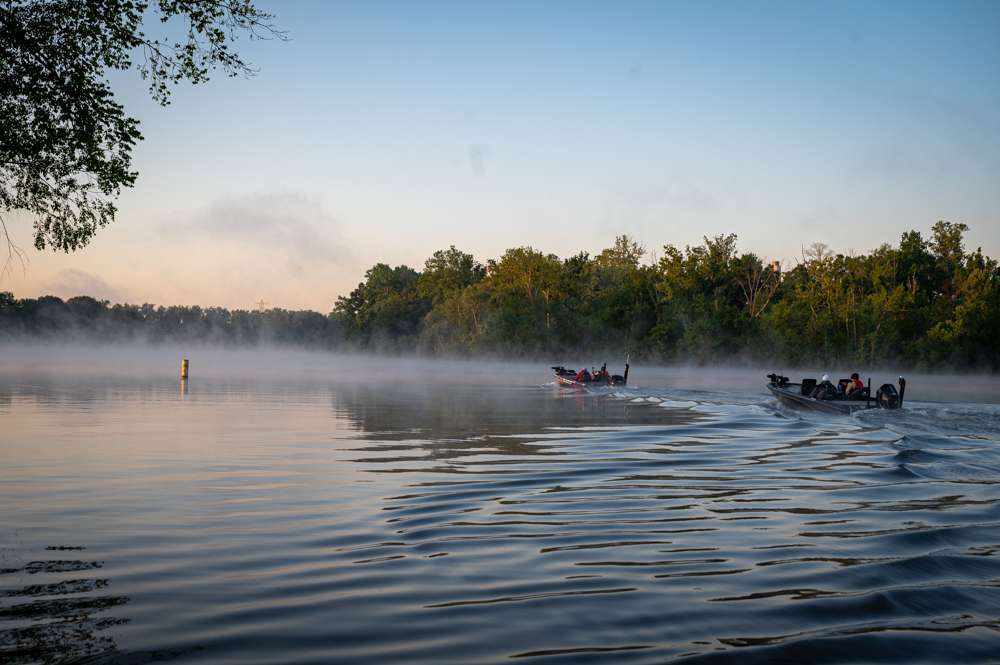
x,y
926,302
85,319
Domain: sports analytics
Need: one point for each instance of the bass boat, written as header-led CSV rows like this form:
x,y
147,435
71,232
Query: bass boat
x,y
585,379
829,398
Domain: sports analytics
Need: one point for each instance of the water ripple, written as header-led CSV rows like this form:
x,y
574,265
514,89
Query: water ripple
x,y
380,523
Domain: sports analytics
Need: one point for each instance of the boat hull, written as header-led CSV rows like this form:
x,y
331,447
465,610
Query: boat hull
x,y
796,399
569,382
566,377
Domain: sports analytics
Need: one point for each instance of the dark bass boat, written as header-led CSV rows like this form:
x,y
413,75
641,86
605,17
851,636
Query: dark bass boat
x,y
829,398
586,379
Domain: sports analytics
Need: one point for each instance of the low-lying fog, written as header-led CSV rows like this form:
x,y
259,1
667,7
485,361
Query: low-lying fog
x,y
280,365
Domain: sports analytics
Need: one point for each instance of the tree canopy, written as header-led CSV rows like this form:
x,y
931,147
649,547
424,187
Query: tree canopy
x,y
927,302
65,142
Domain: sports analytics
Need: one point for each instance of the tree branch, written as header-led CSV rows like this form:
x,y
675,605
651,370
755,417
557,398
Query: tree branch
x,y
14,253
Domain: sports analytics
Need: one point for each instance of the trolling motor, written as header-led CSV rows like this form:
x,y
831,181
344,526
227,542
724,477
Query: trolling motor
x,y
778,380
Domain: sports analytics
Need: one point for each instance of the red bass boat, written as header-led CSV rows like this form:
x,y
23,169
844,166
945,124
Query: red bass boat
x,y
585,379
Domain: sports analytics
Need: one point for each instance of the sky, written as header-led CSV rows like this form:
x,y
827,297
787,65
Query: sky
x,y
383,131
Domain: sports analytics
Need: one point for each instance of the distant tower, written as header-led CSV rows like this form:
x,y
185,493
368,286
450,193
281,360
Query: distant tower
x,y
262,305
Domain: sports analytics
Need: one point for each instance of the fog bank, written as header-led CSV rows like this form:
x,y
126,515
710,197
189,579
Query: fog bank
x,y
162,363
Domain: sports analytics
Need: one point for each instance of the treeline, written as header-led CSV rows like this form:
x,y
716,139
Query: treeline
x,y
85,319
926,302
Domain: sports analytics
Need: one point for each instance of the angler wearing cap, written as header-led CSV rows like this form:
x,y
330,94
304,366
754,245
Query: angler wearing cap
x,y
824,389
854,386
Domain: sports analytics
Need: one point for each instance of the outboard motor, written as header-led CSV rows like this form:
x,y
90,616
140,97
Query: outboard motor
x,y
887,397
618,379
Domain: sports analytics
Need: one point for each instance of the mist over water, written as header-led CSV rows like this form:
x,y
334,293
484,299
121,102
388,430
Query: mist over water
x,y
276,365
311,508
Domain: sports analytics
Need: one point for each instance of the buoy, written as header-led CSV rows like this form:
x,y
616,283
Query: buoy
x,y
184,369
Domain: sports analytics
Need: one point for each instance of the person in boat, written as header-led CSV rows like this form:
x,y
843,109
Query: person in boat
x,y
602,374
854,386
583,376
824,389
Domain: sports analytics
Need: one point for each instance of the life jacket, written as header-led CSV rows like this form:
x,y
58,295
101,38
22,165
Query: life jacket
x,y
581,374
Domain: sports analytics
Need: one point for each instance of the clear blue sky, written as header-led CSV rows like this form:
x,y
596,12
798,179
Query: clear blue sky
x,y
383,131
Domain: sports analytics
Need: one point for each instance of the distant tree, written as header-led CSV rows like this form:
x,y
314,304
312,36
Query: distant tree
x,y
758,283
948,242
65,142
385,310
622,296
817,251
523,287
625,253
966,310
948,246
458,324
448,270
701,311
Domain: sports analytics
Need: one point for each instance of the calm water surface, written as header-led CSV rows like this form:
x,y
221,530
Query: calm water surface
x,y
253,521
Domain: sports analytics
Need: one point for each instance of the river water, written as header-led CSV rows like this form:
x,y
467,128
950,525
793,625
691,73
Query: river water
x,y
475,513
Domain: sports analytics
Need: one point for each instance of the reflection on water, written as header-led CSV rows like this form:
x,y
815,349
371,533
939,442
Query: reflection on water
x,y
307,522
